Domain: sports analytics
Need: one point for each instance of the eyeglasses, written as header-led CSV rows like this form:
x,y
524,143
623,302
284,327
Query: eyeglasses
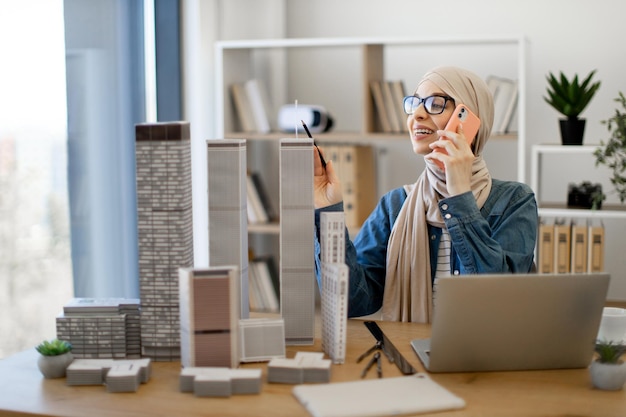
x,y
432,104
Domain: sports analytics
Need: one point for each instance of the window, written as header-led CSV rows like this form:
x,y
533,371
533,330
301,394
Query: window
x,y
35,266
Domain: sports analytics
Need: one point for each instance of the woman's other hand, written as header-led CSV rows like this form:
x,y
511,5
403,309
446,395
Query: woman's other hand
x,y
326,184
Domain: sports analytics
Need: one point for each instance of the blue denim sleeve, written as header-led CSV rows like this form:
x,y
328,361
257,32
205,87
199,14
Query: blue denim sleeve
x,y
501,236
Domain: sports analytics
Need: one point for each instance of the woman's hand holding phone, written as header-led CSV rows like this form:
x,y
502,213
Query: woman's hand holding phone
x,y
469,122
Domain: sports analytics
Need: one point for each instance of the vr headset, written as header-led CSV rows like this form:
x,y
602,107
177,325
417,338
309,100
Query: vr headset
x,y
316,118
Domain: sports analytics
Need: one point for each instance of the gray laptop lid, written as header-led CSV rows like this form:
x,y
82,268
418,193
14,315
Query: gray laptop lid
x,y
514,322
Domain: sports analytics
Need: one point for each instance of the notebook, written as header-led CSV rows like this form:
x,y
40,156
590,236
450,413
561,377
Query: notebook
x,y
377,397
514,322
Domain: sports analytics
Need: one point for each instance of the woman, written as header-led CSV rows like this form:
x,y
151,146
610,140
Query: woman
x,y
453,220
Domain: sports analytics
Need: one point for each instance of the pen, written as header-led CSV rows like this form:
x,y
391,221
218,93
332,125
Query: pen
x,y
306,129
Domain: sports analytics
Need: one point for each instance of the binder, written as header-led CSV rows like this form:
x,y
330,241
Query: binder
x,y
357,172
545,248
562,247
579,248
596,248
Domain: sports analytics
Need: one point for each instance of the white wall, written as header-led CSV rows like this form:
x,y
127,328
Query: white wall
x,y
569,35
574,36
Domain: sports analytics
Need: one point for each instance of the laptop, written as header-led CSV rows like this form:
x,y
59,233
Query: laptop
x,y
514,322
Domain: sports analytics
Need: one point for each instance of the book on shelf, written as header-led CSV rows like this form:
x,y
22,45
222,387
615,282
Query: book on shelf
x,y
578,261
272,269
398,93
505,92
562,246
255,209
379,106
260,105
595,255
252,106
545,248
263,277
243,108
266,200
391,108
254,291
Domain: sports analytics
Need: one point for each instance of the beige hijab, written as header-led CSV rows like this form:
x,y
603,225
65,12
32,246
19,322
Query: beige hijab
x,y
408,284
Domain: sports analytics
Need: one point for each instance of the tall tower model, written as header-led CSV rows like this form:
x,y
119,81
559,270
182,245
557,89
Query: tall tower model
x,y
209,316
228,218
334,291
165,234
297,266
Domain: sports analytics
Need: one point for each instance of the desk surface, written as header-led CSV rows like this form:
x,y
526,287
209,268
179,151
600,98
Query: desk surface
x,y
24,391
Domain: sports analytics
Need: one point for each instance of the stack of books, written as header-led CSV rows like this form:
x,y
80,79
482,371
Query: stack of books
x,y
388,97
264,284
253,108
260,208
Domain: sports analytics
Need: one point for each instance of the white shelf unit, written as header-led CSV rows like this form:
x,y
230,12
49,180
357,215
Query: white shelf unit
x,y
612,216
354,63
339,71
552,210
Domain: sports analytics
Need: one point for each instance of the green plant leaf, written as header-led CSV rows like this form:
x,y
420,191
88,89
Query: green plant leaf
x,y
570,98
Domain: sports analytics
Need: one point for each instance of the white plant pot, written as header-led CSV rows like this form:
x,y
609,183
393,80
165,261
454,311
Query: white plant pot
x,y
608,376
54,366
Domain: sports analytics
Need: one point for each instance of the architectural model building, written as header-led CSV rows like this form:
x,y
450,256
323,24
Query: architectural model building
x,y
297,269
332,237
334,291
209,316
118,375
334,315
305,367
100,328
261,339
220,382
165,234
228,218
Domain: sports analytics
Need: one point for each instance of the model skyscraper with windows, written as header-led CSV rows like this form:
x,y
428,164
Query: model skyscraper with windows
x,y
297,268
209,316
334,291
228,218
165,234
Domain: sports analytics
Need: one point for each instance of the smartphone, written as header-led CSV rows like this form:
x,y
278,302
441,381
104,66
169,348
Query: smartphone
x,y
465,117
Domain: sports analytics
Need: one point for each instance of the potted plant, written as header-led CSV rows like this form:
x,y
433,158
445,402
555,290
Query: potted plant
x,y
613,152
608,370
570,98
56,355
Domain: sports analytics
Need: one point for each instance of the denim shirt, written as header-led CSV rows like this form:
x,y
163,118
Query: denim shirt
x,y
500,237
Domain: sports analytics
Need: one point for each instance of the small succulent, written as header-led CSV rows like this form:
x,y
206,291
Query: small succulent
x,y
609,352
53,347
570,97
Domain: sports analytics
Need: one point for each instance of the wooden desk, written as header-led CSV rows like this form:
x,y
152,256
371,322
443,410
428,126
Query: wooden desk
x,y
24,391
